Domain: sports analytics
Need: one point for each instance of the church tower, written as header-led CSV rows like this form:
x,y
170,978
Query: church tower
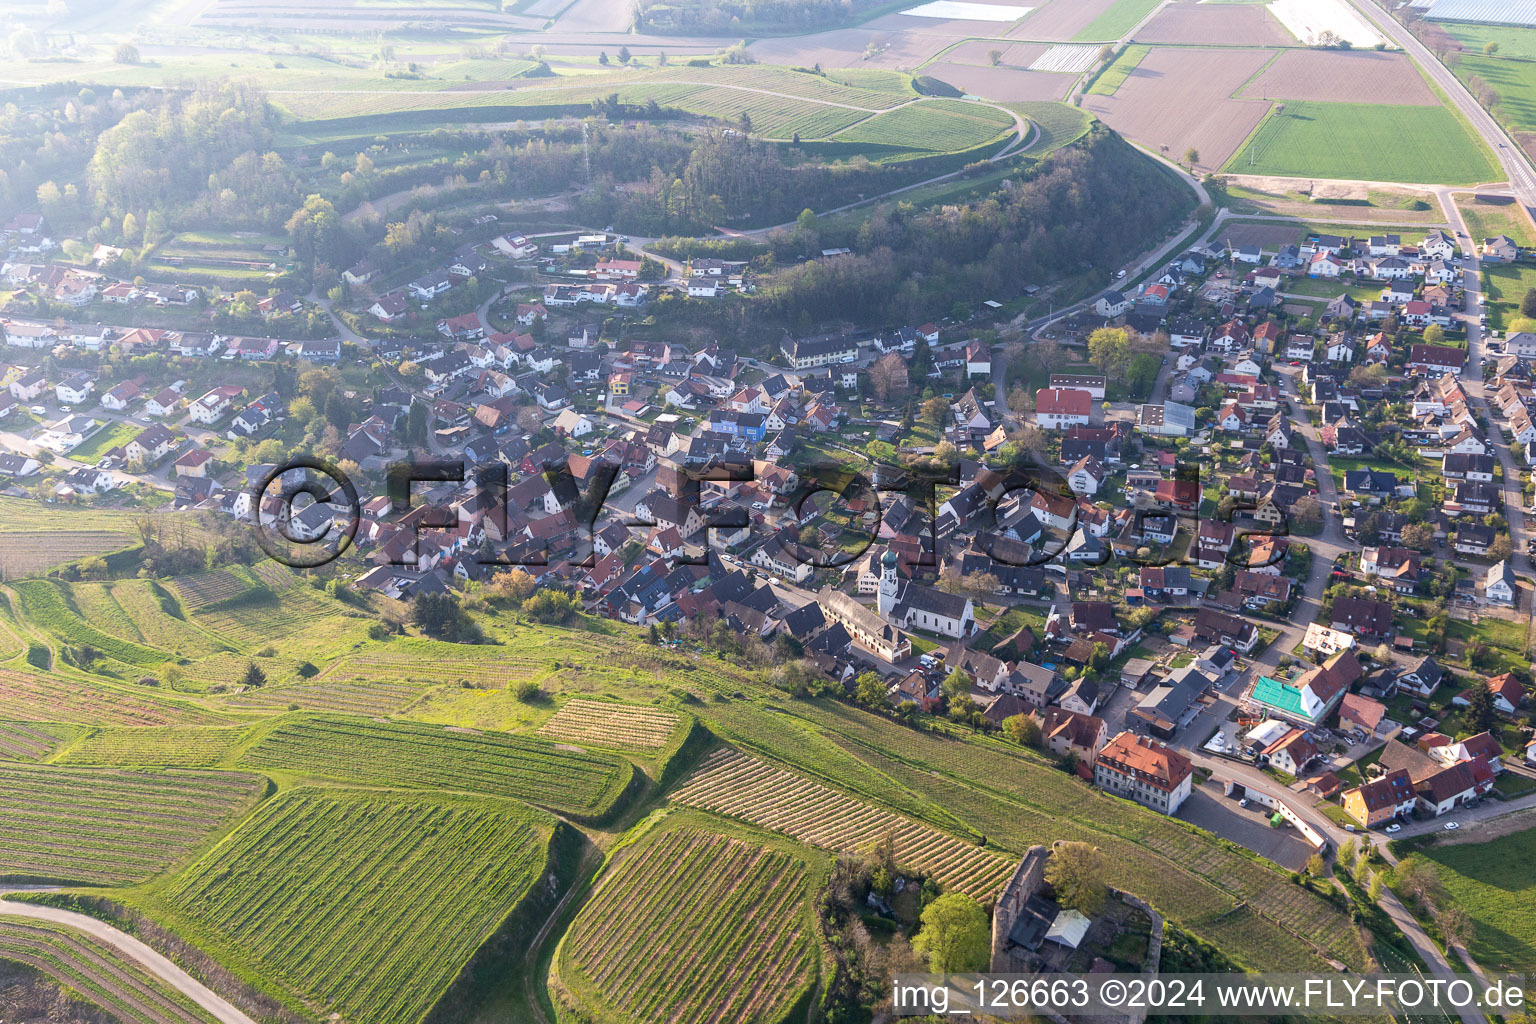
x,y
887,599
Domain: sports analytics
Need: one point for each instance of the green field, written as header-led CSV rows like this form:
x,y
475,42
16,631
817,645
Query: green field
x,y
1493,882
165,746
1114,23
1059,124
107,827
938,126
95,971
1485,220
1513,41
1504,287
419,756
1115,75
365,903
1513,78
114,435
1367,142
57,608
730,913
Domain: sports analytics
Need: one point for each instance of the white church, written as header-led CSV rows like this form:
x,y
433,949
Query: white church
x,y
911,605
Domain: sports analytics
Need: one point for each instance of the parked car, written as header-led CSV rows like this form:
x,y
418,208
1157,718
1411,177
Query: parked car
x,y
1394,827
1452,826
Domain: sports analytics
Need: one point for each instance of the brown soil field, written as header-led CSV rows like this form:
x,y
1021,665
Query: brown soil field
x,y
1343,76
1269,236
1221,24
1060,19
1177,98
844,48
1006,85
976,51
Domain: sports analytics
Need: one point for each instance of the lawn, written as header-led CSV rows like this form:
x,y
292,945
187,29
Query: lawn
x,y
1485,220
1505,285
1494,883
113,436
1513,78
1116,22
1362,141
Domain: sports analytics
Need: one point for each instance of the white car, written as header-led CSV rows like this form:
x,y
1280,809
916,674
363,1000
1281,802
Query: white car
x,y
1452,826
1394,828
38,410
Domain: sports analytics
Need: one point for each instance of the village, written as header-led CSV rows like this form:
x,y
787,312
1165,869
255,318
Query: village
x,y
1279,568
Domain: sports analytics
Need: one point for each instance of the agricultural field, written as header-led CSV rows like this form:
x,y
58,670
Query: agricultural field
x,y
1204,23
1343,76
163,746
1504,287
1066,59
939,126
1115,75
1116,20
361,697
1492,881
1367,142
208,588
607,724
29,552
107,827
96,971
1002,84
32,697
1179,99
365,903
236,261
1485,220
1511,76
738,786
729,912
22,741
1057,124
416,756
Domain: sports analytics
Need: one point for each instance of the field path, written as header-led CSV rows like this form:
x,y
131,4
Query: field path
x,y
153,962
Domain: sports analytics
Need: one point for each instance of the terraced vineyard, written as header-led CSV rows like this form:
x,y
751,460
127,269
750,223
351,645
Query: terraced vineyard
x,y
22,742
366,903
28,697
96,971
54,607
111,826
157,620
375,697
170,747
256,622
29,552
419,756
738,786
694,927
208,588
609,724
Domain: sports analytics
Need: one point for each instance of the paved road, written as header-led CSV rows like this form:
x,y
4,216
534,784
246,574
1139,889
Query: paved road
x,y
153,962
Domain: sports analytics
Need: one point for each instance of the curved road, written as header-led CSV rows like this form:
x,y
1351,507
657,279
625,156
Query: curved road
x,y
153,962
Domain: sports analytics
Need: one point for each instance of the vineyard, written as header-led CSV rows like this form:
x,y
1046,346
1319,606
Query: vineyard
x,y
939,126
38,698
891,90
420,756
607,724
738,786
368,903
109,827
96,971
694,927
22,742
27,553
378,697
208,588
169,747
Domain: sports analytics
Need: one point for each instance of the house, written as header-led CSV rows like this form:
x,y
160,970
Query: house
x,y
1508,692
1144,770
1500,249
1499,583
461,328
978,359
1362,616
1292,752
1453,786
215,405
17,467
117,398
1112,304
76,389
1436,359
389,308
1361,716
1170,419
430,286
1311,697
165,402
1381,800
516,246
1422,677
193,463
1069,733
150,445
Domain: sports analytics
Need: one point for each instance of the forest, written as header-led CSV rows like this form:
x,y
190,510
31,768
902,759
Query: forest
x,y
1081,211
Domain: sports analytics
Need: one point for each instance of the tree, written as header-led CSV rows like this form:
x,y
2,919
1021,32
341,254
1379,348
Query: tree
x,y
1434,334
935,410
957,689
1378,886
126,53
1191,156
1306,514
1348,851
1109,348
955,935
1480,709
624,55
1455,924
870,689
1022,729
516,586
994,57
1076,871
254,678
1418,536
1316,865
602,58
1528,303
1491,48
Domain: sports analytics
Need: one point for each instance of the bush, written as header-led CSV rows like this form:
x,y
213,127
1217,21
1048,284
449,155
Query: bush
x,y
528,691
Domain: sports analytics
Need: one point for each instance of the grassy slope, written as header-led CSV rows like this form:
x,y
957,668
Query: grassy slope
x,y
1494,883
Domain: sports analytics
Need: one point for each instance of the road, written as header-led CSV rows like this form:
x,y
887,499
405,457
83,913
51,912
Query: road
x,y
153,962
1517,166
